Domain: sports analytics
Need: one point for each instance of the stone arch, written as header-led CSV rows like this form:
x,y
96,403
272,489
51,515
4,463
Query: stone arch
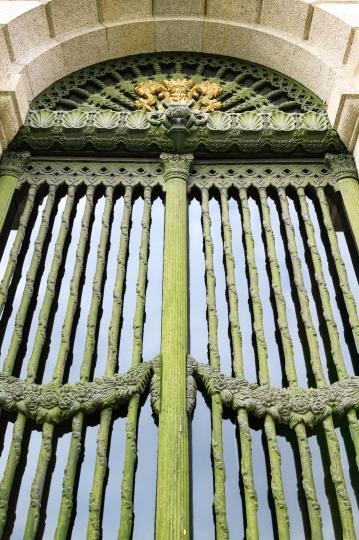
x,y
316,44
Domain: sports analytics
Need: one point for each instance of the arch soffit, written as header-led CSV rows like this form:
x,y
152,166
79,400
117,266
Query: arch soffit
x,y
315,44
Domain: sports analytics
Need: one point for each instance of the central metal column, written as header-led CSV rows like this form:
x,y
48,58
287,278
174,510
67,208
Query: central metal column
x,y
172,507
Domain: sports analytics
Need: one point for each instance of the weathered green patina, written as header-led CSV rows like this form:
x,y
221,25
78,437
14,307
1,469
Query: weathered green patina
x,y
260,113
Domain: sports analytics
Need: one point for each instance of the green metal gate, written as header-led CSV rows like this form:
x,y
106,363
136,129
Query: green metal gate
x,y
279,214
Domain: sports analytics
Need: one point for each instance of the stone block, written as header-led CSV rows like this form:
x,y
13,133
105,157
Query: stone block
x,y
269,48
66,15
235,10
118,10
26,24
353,55
9,119
332,29
248,43
44,65
348,124
179,34
20,69
291,16
84,48
311,69
5,60
183,8
13,86
334,99
131,37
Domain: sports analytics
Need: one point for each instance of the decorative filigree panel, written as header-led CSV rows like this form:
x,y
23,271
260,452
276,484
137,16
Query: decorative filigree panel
x,y
112,84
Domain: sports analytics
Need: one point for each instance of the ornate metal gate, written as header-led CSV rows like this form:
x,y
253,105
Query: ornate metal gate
x,y
288,191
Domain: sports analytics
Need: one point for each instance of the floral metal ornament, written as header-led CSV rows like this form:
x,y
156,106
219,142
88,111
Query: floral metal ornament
x,y
178,91
55,403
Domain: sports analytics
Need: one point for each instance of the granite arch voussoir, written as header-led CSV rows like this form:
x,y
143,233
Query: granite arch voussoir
x,y
40,43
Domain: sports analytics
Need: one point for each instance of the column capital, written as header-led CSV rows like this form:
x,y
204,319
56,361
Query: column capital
x,y
14,163
342,166
176,165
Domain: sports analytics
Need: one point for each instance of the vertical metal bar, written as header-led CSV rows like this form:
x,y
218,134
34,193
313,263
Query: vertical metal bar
x,y
50,287
214,358
8,183
340,265
19,238
62,526
173,483
85,370
104,429
269,424
12,166
29,284
304,450
15,449
305,312
333,445
128,478
113,335
348,298
323,291
244,432
349,190
332,441
74,288
47,432
346,175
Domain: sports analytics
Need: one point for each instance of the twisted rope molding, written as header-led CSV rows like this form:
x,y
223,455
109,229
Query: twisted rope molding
x,y
54,403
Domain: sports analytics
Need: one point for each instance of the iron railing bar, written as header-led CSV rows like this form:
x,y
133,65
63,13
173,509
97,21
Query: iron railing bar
x,y
74,288
15,250
75,444
50,286
333,444
269,424
250,494
339,265
29,283
323,291
222,532
85,370
305,312
113,337
48,429
128,478
312,339
304,450
348,299
15,447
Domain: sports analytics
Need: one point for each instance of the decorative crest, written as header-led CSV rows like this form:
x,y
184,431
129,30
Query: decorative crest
x,y
14,163
342,165
178,91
